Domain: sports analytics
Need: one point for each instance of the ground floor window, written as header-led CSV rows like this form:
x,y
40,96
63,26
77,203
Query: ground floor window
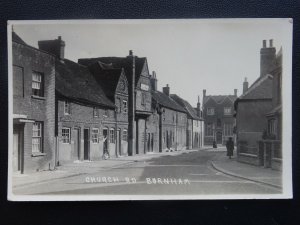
x,y
37,137
272,126
125,135
209,129
95,135
228,129
112,135
66,135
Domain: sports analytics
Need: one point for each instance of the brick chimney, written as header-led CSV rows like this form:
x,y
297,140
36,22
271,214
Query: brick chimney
x,y
198,107
235,92
267,58
204,92
245,85
153,81
166,90
55,47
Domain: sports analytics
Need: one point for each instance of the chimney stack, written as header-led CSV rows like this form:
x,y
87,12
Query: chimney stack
x,y
245,85
235,92
166,90
198,107
55,47
204,92
153,81
267,58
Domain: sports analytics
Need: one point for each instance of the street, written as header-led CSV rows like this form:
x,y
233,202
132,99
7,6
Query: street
x,y
188,173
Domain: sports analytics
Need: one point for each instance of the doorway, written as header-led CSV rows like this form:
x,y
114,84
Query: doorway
x,y
105,145
118,143
86,144
18,160
76,150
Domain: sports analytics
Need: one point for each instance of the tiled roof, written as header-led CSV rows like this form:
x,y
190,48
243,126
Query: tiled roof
x,y
17,39
260,89
186,105
75,81
118,63
218,98
166,101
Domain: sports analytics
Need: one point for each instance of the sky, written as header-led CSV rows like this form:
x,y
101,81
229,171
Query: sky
x,y
189,55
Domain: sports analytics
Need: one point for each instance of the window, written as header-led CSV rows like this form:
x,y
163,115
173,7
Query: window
x,y
271,126
143,99
164,134
227,110
124,137
125,106
95,135
112,135
66,136
106,113
67,108
37,84
228,129
210,111
118,105
96,112
37,137
209,129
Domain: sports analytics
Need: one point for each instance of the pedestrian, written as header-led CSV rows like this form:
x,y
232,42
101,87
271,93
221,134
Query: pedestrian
x,y
229,147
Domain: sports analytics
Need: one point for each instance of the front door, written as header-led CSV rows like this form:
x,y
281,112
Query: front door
x,y
17,149
105,141
86,144
219,138
76,139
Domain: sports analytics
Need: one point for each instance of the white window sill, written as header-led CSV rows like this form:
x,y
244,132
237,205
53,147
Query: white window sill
x,y
37,154
38,97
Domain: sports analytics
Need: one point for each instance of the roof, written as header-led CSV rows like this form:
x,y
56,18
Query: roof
x,y
276,110
218,98
16,38
118,63
186,105
107,78
260,89
166,101
75,81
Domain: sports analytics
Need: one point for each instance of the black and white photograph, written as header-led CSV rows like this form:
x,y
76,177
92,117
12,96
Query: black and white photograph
x,y
150,109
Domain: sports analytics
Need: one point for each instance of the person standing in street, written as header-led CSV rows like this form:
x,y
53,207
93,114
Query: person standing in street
x,y
229,147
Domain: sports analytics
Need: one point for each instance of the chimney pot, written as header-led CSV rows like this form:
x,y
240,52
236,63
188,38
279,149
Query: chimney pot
x,y
204,92
166,90
264,43
130,52
235,92
271,43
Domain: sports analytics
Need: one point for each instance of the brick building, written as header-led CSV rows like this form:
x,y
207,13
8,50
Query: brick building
x,y
139,96
171,119
195,126
218,117
258,113
33,107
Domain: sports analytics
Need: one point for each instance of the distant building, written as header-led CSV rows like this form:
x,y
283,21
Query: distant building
x,y
258,113
33,107
195,124
218,111
171,119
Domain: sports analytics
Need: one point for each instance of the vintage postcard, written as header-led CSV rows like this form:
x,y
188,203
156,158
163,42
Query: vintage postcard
x,y
150,109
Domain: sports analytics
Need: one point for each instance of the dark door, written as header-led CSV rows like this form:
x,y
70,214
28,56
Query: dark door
x,y
86,144
219,138
118,143
152,141
76,150
149,142
105,145
17,146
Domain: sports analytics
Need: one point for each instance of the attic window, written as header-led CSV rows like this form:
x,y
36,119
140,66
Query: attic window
x,y
96,112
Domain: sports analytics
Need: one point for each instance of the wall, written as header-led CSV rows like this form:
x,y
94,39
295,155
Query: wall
x,y
37,109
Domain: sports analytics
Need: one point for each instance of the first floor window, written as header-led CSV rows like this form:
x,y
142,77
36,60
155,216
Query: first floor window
x,y
66,135
124,106
37,137
125,135
227,110
37,84
209,129
112,135
143,102
210,111
271,126
95,135
67,108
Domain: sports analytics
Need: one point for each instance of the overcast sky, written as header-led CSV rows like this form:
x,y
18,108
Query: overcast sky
x,y
189,55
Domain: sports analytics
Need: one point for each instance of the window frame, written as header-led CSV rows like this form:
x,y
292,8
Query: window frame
x,y
125,106
68,103
112,135
209,127
96,112
226,113
40,91
95,140
39,137
63,136
125,134
210,111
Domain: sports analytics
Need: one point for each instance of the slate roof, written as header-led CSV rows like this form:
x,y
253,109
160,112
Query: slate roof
x,y
260,89
16,38
118,63
166,101
192,113
218,98
75,81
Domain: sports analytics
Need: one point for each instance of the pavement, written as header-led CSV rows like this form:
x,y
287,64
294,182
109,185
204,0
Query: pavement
x,y
245,171
220,163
